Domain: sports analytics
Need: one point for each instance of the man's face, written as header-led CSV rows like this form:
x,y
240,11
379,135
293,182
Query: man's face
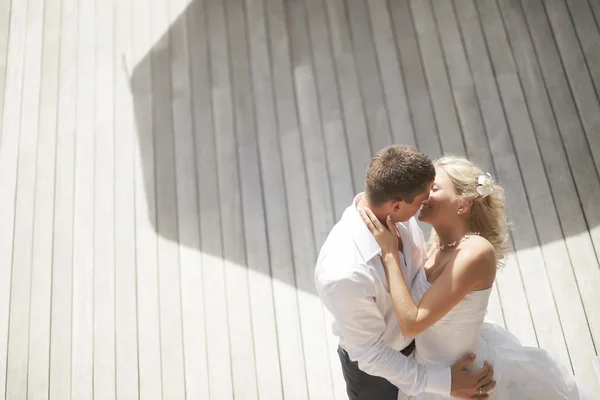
x,y
402,211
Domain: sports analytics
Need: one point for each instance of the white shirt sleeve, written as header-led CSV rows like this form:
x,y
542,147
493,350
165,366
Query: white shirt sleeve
x,y
361,325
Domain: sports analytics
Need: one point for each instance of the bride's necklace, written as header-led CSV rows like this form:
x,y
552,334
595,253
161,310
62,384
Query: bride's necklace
x,y
456,242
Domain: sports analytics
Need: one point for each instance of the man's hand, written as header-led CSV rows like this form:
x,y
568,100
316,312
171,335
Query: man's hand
x,y
471,384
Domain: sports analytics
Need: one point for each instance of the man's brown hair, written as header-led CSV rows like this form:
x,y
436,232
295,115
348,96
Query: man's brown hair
x,y
398,172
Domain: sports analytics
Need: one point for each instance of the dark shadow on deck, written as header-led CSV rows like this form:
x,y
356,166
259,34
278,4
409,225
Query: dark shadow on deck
x,y
154,96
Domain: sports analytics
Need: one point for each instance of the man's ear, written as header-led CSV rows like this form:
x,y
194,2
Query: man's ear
x,y
396,205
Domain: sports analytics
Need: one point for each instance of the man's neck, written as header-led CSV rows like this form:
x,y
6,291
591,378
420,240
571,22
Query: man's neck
x,y
363,202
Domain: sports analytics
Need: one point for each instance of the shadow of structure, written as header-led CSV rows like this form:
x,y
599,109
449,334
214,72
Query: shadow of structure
x,y
248,153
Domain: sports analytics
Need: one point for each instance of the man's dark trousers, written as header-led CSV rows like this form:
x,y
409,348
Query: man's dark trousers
x,y
362,386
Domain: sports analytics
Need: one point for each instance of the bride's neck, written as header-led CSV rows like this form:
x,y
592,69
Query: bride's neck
x,y
451,233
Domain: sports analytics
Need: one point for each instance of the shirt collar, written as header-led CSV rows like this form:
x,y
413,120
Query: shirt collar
x,y
365,242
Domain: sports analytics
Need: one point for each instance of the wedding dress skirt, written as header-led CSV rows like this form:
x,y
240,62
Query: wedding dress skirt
x,y
521,372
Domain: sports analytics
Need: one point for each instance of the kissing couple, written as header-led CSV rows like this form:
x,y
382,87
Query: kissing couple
x,y
410,318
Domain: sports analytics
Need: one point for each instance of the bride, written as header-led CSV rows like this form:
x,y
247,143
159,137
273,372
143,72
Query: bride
x,y
451,291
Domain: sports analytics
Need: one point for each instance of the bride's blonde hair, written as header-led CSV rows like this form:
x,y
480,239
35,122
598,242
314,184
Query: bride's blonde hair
x,y
488,215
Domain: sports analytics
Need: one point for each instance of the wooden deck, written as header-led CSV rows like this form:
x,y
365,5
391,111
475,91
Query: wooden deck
x,y
169,170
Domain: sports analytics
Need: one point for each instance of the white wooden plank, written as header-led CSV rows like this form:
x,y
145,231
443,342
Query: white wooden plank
x,y
465,100
334,136
228,182
391,74
194,338
317,173
41,275
534,263
126,334
5,10
510,285
582,86
169,283
359,146
62,271
588,35
562,279
434,64
337,376
215,306
515,309
249,167
228,188
226,221
18,334
150,376
584,259
495,312
268,82
378,123
104,212
416,86
11,125
504,63
476,143
320,187
525,213
596,10
341,172
266,351
82,366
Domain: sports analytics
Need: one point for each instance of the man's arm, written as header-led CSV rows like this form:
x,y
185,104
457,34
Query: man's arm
x,y
353,306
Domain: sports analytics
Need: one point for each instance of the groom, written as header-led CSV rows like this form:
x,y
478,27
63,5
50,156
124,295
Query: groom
x,y
351,281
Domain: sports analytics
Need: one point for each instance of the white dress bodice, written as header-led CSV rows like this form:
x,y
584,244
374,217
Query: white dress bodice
x,y
520,372
457,333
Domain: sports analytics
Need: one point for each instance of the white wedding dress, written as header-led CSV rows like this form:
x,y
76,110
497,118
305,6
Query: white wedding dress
x,y
521,372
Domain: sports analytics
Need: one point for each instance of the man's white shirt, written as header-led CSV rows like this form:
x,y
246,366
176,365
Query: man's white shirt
x,y
351,281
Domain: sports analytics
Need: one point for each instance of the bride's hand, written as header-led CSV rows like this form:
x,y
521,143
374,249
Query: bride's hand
x,y
386,236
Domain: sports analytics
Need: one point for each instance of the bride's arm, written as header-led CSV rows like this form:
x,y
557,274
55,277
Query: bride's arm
x,y
472,266
464,274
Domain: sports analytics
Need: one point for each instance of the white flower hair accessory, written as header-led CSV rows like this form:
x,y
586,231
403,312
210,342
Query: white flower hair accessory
x,y
486,185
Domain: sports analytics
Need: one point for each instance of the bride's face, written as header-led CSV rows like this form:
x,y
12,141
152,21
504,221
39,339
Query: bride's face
x,y
441,204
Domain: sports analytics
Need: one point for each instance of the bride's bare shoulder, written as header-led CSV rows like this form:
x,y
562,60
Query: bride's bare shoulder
x,y
477,256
